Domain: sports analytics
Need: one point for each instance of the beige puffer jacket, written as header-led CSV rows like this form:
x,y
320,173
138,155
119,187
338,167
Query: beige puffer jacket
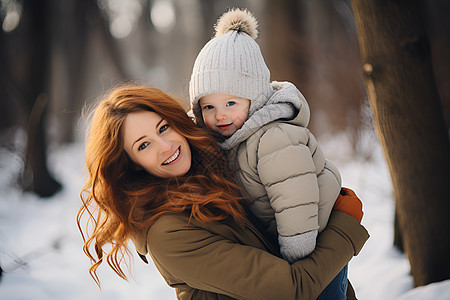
x,y
290,184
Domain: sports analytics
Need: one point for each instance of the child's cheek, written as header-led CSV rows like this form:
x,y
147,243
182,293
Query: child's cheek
x,y
206,120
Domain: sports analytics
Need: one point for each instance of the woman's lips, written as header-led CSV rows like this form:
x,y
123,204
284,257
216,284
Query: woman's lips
x,y
173,157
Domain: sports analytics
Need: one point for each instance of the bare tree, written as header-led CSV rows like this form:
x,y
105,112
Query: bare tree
x,y
44,73
76,26
408,118
33,81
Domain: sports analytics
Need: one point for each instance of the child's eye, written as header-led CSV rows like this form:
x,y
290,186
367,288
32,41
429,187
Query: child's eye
x,y
163,128
143,146
231,103
208,107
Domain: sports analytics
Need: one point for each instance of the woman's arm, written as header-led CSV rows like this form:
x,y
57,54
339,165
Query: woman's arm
x,y
207,261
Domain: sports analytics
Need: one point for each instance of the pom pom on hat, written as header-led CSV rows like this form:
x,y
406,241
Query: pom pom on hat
x,y
238,20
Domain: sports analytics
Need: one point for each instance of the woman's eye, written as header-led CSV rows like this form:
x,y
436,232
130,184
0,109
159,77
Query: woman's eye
x,y
143,146
231,103
163,128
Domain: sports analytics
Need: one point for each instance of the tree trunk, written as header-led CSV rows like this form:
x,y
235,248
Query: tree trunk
x,y
410,126
36,20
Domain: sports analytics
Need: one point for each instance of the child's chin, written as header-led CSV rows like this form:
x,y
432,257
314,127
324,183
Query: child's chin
x,y
226,134
220,137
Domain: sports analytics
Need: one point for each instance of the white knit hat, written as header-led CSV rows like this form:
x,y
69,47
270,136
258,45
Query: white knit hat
x,y
231,63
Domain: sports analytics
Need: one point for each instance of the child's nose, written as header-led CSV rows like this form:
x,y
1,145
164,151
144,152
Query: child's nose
x,y
220,116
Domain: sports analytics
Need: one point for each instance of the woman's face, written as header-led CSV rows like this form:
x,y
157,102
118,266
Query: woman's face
x,y
152,144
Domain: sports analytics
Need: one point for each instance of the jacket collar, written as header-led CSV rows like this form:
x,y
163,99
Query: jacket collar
x,y
139,239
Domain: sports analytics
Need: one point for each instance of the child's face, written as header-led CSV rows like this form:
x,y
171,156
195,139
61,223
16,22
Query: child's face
x,y
224,113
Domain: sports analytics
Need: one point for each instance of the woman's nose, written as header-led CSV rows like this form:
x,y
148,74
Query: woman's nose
x,y
164,145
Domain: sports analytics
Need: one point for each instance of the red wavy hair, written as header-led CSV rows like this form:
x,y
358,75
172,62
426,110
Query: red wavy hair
x,y
119,198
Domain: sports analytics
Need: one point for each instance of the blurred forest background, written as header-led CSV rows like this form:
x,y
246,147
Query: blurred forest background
x,y
58,56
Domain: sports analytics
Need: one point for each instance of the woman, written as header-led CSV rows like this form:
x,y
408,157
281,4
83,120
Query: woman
x,y
156,178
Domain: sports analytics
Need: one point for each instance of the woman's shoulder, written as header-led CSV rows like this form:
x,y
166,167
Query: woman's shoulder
x,y
178,229
172,234
167,230
175,226
169,222
157,231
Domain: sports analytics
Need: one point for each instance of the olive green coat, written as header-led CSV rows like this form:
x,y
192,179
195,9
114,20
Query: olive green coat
x,y
227,261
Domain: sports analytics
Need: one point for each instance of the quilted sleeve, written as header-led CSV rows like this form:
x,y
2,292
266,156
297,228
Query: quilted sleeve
x,y
286,169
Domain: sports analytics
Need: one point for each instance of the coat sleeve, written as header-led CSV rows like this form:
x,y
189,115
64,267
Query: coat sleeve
x,y
286,168
209,262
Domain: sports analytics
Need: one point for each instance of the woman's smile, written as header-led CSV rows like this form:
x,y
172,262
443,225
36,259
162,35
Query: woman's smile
x,y
173,157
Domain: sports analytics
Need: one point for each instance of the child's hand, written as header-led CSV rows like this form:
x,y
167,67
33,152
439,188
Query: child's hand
x,y
349,203
293,248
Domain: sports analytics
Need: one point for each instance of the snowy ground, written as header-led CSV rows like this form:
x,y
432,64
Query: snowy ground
x,y
40,246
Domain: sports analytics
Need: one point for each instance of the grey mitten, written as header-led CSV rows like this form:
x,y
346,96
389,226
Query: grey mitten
x,y
294,247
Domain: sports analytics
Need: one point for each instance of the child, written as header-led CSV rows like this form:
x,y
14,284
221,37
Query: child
x,y
262,127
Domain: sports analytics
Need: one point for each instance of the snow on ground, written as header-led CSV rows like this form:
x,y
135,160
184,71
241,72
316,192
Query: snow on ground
x,y
41,255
